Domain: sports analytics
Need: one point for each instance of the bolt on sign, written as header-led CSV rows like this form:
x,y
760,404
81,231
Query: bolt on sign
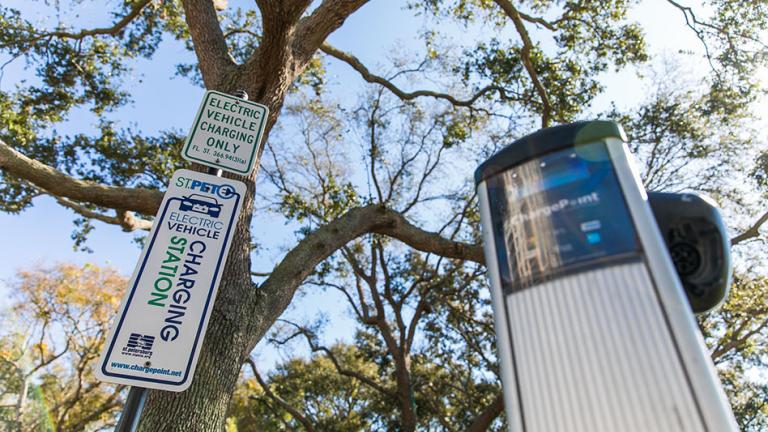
x,y
226,133
156,337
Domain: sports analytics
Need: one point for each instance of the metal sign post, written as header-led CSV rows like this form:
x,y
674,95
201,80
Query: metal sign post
x,y
134,404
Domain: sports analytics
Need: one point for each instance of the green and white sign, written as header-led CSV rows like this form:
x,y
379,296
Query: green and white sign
x,y
226,133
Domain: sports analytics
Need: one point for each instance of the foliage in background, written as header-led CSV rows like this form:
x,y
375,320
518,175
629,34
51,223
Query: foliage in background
x,y
737,335
422,356
50,339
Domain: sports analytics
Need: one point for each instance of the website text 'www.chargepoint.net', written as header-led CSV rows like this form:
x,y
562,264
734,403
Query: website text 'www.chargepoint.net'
x,y
151,370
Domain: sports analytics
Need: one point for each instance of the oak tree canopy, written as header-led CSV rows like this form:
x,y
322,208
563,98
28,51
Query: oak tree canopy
x,y
368,225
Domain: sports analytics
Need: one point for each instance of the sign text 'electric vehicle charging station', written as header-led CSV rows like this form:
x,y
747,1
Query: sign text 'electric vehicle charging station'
x,y
156,338
593,326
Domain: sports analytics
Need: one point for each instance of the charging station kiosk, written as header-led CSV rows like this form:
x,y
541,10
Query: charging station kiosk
x,y
593,326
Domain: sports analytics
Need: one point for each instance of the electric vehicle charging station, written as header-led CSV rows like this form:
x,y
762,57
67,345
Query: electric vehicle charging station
x,y
593,323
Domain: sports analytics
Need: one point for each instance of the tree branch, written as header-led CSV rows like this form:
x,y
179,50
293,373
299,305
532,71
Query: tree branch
x,y
123,218
209,42
525,55
738,342
145,201
110,31
271,67
397,226
358,66
751,232
111,402
314,347
130,222
537,20
278,290
312,31
45,362
483,421
280,401
273,11
691,23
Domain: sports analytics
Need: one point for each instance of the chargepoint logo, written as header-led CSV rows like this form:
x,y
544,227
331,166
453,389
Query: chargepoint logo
x,y
562,204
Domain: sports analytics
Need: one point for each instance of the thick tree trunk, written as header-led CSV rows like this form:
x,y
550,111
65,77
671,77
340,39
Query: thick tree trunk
x,y
234,326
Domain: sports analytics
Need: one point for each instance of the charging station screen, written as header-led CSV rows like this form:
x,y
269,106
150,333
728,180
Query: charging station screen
x,y
561,212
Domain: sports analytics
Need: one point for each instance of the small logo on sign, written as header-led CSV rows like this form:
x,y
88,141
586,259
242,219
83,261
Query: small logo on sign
x,y
139,345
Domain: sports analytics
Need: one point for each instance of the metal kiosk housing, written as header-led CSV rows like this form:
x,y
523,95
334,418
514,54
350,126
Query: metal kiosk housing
x,y
593,327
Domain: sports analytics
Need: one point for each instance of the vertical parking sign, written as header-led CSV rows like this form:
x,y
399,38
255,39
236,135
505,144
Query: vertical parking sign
x,y
156,337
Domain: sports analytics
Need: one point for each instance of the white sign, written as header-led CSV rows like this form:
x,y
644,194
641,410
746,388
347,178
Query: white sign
x,y
226,133
157,335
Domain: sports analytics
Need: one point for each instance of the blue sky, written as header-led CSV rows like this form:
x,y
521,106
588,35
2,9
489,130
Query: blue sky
x,y
41,235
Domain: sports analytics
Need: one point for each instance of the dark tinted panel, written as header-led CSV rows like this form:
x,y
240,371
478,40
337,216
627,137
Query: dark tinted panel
x,y
558,212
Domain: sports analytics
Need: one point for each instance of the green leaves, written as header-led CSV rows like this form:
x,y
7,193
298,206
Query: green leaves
x,y
333,201
79,70
572,42
687,136
51,335
312,386
737,335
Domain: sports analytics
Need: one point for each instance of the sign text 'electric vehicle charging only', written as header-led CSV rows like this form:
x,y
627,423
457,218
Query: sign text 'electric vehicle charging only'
x,y
226,133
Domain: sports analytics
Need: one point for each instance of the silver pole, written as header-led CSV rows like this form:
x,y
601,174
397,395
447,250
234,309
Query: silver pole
x,y
129,419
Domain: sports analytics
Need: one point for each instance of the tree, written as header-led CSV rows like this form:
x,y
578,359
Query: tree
x,y
737,335
52,335
277,49
422,321
325,401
